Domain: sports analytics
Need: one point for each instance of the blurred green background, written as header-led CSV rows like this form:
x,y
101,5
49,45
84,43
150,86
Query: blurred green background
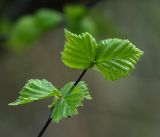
x,y
128,107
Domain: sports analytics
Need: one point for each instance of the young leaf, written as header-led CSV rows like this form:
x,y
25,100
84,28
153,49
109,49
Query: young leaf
x,y
115,58
47,19
79,51
23,33
70,100
74,13
35,90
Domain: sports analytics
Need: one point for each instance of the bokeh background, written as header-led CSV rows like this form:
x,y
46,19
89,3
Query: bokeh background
x,y
129,107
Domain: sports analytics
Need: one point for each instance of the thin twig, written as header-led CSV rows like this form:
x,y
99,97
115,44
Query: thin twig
x,y
45,126
49,119
78,80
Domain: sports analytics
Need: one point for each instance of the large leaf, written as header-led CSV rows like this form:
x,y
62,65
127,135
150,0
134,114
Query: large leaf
x,y
35,90
69,101
79,51
115,58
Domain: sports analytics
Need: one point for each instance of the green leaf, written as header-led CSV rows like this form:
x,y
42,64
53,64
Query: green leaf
x,y
47,19
74,13
35,90
69,101
115,58
23,33
88,24
79,51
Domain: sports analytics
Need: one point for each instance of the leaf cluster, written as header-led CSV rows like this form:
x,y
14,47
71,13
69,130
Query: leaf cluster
x,y
29,28
65,103
113,58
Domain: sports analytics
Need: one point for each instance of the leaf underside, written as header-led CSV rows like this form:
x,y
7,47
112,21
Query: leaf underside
x,y
35,90
67,105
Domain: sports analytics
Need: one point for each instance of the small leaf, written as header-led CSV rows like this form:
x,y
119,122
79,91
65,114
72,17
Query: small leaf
x,y
74,13
23,33
79,51
47,19
115,58
68,103
35,90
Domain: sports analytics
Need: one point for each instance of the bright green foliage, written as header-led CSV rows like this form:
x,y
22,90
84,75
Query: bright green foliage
x,y
69,101
114,58
65,103
35,90
79,51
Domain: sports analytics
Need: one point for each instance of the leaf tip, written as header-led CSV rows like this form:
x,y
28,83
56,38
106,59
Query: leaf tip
x,y
67,32
141,52
12,104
